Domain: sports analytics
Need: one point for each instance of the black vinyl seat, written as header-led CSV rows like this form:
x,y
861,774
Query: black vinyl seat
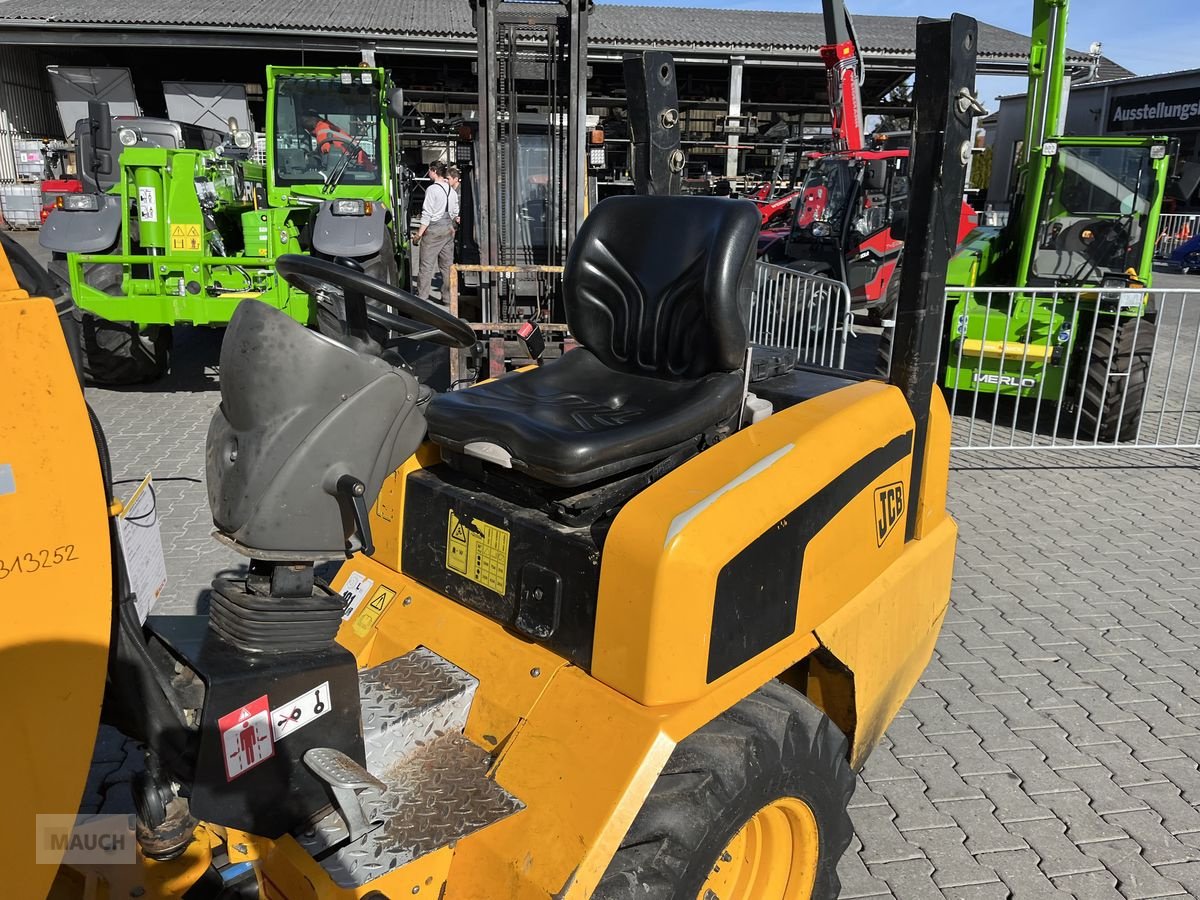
x,y
657,291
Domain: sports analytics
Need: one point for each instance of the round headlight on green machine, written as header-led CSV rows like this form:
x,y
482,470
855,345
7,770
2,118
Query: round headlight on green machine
x,y
127,136
243,140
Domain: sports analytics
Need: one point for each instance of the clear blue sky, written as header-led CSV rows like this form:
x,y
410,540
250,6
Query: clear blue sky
x,y
1146,36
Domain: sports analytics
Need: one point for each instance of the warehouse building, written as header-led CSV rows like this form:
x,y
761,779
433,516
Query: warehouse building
x,y
748,80
1166,104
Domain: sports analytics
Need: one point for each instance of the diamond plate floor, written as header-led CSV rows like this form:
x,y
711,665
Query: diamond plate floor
x,y
1051,748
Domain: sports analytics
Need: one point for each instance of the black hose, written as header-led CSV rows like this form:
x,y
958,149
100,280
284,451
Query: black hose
x,y
145,699
101,452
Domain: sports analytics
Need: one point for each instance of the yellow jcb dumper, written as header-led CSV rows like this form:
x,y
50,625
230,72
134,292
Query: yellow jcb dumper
x,y
597,633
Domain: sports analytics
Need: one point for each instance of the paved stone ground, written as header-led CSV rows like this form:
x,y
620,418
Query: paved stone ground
x,y
1050,750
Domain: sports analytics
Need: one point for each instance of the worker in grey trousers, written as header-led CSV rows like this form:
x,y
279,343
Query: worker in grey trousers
x,y
436,234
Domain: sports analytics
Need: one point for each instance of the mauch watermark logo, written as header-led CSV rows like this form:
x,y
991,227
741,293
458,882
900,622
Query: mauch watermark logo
x,y
85,840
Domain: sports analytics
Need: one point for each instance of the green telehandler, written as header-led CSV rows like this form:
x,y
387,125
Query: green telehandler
x,y
176,233
1077,326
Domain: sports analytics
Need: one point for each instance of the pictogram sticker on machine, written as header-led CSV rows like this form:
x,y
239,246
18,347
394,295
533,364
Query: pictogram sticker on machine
x,y
353,592
246,737
478,551
185,237
380,601
295,714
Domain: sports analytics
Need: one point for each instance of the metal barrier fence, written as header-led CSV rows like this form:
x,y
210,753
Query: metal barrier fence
x,y
1073,369
805,313
1174,230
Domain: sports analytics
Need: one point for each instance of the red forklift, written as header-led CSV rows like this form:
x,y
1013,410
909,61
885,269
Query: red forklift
x,y
842,222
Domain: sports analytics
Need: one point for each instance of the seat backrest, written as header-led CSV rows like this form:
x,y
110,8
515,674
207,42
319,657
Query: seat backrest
x,y
660,286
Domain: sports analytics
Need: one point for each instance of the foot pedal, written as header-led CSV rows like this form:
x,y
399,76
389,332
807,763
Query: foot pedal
x,y
344,778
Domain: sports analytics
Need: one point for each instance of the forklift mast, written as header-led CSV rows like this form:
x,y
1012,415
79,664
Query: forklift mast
x,y
844,71
1043,108
530,167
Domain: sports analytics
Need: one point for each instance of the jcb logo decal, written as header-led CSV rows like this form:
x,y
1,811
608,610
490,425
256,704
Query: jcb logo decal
x,y
889,508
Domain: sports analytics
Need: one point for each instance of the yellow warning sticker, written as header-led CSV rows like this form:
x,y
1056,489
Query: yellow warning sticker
x,y
185,237
478,551
373,609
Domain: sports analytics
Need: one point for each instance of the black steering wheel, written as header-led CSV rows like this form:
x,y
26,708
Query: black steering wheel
x,y
1099,240
308,273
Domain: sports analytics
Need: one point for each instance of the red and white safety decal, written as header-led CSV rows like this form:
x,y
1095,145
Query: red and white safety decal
x,y
289,717
246,737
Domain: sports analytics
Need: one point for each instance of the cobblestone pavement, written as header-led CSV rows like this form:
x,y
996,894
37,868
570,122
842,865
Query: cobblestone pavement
x,y
1050,750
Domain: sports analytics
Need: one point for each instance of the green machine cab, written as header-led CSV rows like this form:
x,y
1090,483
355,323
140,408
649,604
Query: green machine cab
x,y
176,234
1077,252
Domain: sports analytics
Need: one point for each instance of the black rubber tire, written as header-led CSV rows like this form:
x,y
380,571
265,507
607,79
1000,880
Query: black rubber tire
x,y
1101,397
116,353
31,277
771,745
883,362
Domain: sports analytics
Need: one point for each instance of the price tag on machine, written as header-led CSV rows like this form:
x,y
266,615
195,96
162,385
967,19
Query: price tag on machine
x,y
141,547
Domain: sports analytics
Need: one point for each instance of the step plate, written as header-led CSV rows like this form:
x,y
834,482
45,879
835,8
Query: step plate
x,y
409,701
435,796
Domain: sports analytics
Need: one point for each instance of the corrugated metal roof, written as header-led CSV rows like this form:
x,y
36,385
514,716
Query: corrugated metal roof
x,y
369,16
611,24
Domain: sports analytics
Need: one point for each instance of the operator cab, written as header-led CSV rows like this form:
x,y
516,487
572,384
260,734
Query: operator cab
x,y
657,293
326,126
843,215
1095,213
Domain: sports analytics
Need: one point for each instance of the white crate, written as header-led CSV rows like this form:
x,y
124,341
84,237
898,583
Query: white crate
x,y
21,205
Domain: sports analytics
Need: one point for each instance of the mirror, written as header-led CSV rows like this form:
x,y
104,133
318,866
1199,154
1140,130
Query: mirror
x,y
100,123
899,227
396,102
875,175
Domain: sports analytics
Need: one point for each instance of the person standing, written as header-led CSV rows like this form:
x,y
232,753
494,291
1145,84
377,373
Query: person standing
x,y
454,179
435,237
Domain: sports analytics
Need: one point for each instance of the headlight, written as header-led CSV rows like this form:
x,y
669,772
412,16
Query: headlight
x,y
81,202
350,208
1158,151
243,140
127,136
1050,148
820,229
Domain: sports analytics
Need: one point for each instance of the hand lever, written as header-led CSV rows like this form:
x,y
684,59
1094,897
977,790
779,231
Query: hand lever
x,y
353,490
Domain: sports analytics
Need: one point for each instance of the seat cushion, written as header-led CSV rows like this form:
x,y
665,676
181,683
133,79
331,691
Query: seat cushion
x,y
575,421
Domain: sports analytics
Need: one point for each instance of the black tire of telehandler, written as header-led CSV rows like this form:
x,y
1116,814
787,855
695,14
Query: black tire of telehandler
x,y
883,362
773,744
116,353
1102,396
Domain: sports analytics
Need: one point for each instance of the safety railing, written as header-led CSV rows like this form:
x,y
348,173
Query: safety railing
x,y
1175,230
805,313
1052,369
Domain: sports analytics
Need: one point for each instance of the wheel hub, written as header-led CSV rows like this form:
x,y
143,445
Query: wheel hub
x,y
772,857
